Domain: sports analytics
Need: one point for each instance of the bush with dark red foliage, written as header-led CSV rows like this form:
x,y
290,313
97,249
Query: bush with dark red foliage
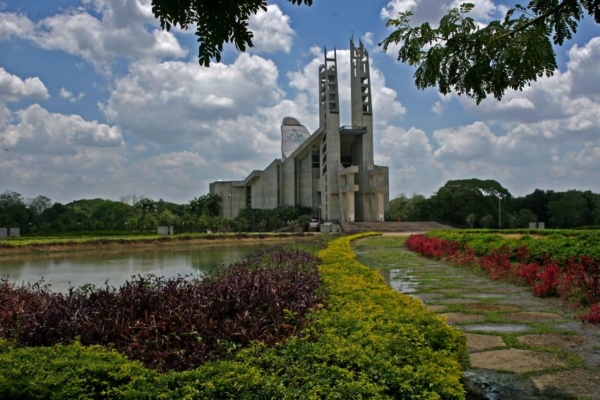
x,y
593,317
432,247
172,324
573,279
497,264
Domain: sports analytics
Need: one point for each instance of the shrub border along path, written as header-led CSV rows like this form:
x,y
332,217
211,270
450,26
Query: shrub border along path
x,y
554,269
367,342
520,346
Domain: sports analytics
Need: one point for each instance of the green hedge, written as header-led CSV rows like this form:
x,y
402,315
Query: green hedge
x,y
368,341
559,244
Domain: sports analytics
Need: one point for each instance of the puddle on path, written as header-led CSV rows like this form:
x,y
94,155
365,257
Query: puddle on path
x,y
457,301
485,295
428,297
402,280
504,328
492,385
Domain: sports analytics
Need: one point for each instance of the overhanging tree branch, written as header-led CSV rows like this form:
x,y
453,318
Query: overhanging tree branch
x,y
217,22
476,61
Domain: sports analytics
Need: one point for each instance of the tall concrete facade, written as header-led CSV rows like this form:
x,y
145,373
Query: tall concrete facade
x,y
332,171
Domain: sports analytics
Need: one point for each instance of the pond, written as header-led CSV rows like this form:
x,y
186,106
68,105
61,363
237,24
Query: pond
x,y
115,267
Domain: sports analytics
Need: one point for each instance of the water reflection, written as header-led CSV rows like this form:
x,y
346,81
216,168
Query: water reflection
x,y
63,271
400,279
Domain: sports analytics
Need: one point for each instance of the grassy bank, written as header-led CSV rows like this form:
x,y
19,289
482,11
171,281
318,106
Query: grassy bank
x,y
364,341
52,244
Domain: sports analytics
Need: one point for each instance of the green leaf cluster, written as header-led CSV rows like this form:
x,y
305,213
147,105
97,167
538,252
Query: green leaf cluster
x,y
217,22
478,60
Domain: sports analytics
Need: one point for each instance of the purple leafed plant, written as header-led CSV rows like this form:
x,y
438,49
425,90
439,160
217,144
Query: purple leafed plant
x,y
172,324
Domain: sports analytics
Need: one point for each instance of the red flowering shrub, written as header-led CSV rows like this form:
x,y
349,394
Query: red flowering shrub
x,y
432,247
573,280
590,277
497,263
464,258
523,255
548,281
527,272
593,317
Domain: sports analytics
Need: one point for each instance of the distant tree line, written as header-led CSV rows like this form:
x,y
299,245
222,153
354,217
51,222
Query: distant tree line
x,y
262,220
474,203
467,203
41,215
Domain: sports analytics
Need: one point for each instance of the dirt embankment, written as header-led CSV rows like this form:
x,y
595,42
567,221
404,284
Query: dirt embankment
x,y
58,247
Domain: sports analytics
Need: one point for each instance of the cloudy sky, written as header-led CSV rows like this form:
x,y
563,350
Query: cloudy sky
x,y
97,101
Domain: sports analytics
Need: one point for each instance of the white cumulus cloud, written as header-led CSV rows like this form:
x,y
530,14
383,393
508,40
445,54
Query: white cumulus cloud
x,y
272,30
433,10
173,101
67,95
13,88
17,25
37,131
466,143
126,29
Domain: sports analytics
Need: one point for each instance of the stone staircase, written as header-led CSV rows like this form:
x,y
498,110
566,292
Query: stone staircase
x,y
422,226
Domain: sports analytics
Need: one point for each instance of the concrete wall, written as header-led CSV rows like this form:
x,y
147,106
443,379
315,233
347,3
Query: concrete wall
x,y
305,178
377,194
316,194
288,181
233,197
266,189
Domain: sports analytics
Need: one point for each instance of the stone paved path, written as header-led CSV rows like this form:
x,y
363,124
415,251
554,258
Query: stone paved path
x,y
520,346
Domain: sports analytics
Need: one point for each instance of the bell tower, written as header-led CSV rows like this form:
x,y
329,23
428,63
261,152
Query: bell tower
x,y
329,119
372,182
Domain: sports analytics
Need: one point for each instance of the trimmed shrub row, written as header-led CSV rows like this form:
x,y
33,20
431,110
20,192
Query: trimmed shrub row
x,y
558,244
576,280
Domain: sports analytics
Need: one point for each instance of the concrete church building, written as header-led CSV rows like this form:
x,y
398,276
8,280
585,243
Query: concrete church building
x,y
332,171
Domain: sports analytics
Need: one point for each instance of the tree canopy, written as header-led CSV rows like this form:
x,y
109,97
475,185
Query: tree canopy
x,y
476,60
467,201
217,22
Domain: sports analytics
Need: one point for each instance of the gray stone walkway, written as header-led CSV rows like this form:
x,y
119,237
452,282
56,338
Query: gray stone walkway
x,y
520,346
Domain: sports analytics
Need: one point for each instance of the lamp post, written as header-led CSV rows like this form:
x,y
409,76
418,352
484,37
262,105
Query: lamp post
x,y
499,213
230,210
230,206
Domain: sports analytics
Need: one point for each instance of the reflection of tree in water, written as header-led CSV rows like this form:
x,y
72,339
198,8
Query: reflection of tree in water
x,y
62,271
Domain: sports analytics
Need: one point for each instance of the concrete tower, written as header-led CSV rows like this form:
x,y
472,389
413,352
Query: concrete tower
x,y
332,171
329,121
373,181
362,108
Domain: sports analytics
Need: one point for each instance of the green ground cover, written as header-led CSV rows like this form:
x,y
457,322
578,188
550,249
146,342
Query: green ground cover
x,y
365,341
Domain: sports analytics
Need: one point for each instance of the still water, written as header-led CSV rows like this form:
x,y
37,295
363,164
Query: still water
x,y
115,267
